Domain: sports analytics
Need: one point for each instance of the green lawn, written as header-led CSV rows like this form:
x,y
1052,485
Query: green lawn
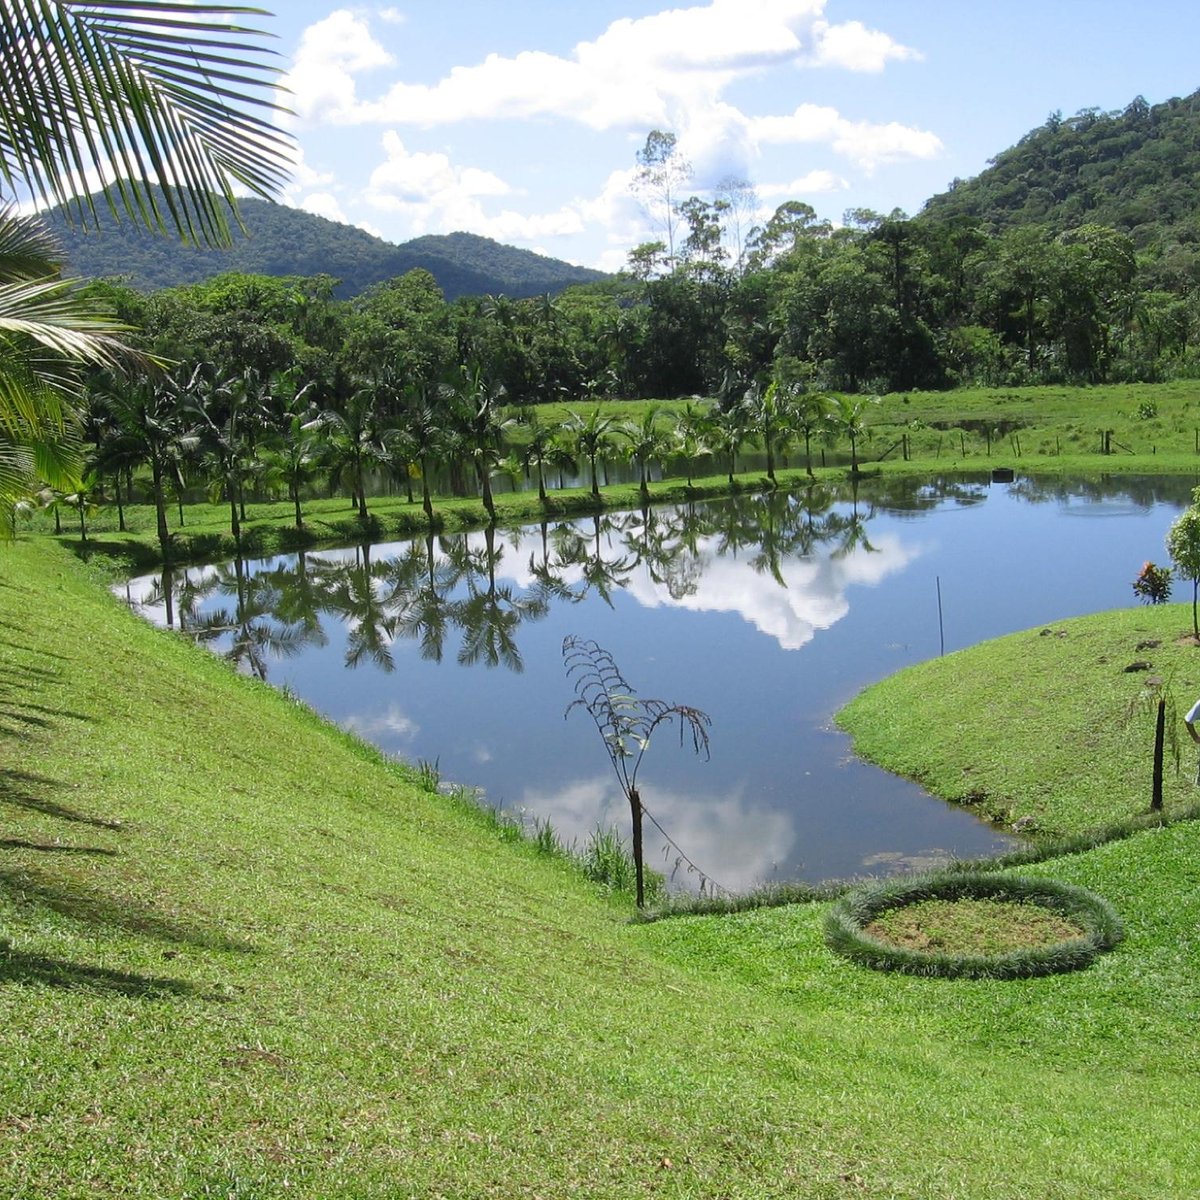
x,y
250,958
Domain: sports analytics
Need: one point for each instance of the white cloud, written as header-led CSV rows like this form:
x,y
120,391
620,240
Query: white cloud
x,y
669,70
815,182
856,48
321,82
863,142
323,204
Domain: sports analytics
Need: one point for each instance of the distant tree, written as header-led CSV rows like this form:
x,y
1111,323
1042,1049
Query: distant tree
x,y
740,202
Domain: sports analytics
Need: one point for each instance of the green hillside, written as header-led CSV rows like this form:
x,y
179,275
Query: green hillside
x,y
287,241
243,956
1136,170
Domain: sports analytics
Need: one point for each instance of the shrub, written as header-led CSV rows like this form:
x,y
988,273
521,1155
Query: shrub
x,y
1153,584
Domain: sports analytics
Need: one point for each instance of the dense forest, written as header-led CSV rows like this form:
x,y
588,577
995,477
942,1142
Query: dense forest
x,y
1136,170
287,241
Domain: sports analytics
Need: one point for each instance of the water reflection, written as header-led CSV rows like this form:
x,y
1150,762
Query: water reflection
x,y
767,612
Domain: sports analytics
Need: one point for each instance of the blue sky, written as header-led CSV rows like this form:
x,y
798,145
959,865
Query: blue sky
x,y
521,121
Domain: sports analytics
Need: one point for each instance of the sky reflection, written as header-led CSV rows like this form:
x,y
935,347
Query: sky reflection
x,y
767,613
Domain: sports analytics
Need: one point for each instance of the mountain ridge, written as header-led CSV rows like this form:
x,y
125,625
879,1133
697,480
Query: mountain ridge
x,y
288,241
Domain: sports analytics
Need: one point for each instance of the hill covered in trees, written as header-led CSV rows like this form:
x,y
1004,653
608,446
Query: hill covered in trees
x,y
287,241
1136,170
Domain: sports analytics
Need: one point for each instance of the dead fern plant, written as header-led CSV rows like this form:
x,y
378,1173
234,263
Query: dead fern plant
x,y
626,724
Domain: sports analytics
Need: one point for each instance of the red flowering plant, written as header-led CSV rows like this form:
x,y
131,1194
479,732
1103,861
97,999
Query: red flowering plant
x,y
1153,584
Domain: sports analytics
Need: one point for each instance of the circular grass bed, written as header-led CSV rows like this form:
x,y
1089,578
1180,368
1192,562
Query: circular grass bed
x,y
970,926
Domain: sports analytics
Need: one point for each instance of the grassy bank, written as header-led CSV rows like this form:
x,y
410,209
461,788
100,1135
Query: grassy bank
x,y
1047,727
249,958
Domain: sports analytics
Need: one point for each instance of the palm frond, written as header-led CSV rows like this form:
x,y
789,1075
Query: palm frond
x,y
178,95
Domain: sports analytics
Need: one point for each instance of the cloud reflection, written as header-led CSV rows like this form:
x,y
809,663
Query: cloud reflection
x,y
745,840
392,725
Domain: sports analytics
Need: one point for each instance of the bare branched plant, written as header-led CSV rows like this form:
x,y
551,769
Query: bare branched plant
x,y
626,724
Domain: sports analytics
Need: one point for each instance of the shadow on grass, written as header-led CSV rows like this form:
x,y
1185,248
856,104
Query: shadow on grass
x,y
25,648
19,789
54,847
34,969
80,903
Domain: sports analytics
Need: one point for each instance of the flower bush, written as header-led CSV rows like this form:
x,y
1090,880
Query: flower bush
x,y
1153,584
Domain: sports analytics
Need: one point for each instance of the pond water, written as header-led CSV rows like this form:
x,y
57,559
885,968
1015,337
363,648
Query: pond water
x,y
768,613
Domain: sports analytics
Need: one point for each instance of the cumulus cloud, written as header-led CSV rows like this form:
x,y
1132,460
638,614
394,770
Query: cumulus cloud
x,y
324,204
814,183
668,69
864,143
431,193
428,189
672,69
321,84
856,48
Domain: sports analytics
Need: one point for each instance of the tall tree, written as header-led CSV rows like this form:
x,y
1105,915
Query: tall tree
x,y
662,172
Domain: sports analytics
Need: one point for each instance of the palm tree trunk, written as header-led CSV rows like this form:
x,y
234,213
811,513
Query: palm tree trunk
x,y
426,502
160,509
1156,795
485,483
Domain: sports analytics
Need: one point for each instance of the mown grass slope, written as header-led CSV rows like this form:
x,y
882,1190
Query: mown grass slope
x,y
249,958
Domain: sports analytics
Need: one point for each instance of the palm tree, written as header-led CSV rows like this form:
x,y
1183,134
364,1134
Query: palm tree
x,y
538,451
811,412
849,417
647,443
295,461
728,431
592,435
427,438
356,443
768,416
47,337
155,427
691,436
147,90
476,408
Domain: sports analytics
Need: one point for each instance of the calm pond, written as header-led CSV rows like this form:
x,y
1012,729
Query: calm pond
x,y
767,612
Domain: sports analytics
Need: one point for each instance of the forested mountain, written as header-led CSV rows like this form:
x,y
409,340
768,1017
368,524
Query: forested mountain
x,y
287,241
1136,170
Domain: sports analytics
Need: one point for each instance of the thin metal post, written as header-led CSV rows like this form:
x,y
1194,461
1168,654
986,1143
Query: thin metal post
x,y
941,628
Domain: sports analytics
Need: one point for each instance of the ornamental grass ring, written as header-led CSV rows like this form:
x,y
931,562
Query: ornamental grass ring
x,y
969,925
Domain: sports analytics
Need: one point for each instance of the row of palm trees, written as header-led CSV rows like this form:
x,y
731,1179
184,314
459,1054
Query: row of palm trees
x,y
260,437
